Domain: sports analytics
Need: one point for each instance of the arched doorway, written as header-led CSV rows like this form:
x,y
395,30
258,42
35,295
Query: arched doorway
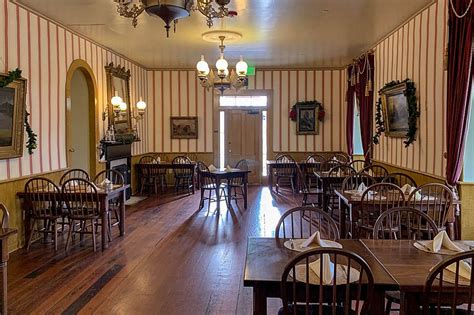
x,y
81,117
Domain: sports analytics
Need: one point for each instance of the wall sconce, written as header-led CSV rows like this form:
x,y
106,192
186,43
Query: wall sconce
x,y
118,105
141,106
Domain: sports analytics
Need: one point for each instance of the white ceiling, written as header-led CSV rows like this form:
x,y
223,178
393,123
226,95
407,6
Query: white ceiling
x,y
276,33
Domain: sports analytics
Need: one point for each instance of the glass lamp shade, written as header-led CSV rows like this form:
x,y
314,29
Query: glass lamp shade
x,y
141,105
123,106
116,100
222,64
202,67
241,67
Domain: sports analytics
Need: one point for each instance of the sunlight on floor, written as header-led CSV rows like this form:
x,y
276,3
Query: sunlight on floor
x,y
269,214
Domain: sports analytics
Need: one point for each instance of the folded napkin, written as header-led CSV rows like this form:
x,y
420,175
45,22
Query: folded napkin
x,y
314,239
464,269
228,168
328,269
212,168
361,188
158,159
442,240
406,189
106,184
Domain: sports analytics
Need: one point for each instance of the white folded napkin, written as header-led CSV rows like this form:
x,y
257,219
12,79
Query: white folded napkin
x,y
106,184
406,189
328,269
464,269
442,240
228,168
361,188
158,159
212,168
314,239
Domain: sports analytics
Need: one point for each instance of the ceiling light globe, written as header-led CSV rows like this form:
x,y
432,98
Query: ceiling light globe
x,y
202,67
222,64
141,105
241,67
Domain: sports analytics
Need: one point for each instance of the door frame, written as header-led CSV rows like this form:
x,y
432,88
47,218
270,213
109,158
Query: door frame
x,y
244,92
83,66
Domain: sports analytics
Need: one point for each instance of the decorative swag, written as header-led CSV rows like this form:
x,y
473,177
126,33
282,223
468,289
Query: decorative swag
x,y
361,76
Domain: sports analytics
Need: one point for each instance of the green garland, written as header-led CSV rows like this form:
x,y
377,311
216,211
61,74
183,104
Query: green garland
x,y
413,113
32,142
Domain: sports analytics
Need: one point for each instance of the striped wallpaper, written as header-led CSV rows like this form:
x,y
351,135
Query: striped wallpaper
x,y
178,93
44,50
416,51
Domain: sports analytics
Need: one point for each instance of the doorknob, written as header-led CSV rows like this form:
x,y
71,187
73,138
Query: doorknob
x,y
72,150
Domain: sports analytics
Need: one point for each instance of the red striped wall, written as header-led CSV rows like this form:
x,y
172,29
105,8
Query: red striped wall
x,y
44,50
177,92
416,51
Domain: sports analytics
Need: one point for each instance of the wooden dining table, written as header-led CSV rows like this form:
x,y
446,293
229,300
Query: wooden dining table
x,y
117,193
395,264
145,168
5,233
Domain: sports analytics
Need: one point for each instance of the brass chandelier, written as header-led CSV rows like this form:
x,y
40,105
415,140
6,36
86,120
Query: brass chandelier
x,y
170,11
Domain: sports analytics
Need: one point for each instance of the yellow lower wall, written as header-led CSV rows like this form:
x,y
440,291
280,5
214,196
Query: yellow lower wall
x,y
466,190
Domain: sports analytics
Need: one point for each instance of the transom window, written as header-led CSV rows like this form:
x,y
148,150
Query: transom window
x,y
243,101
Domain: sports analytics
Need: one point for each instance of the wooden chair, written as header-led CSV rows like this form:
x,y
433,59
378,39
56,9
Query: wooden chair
x,y
337,175
307,191
341,157
116,178
183,176
285,171
74,173
159,157
399,179
376,171
314,163
208,183
377,199
5,216
302,222
82,201
330,164
353,181
151,174
358,165
447,292
403,223
236,184
436,201
42,197
305,293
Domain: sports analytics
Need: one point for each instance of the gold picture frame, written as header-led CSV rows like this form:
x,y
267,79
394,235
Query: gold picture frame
x,y
184,127
395,110
118,79
12,118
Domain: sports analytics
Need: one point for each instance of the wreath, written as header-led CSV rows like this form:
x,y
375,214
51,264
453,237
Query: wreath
x,y
32,142
413,113
321,112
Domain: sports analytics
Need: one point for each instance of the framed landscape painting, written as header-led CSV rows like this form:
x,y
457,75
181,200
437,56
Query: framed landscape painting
x,y
12,117
184,127
395,110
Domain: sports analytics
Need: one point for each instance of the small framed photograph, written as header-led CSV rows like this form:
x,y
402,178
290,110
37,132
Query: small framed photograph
x,y
184,127
12,118
395,111
307,122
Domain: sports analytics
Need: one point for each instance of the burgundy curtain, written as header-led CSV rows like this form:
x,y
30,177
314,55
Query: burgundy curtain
x,y
350,116
365,96
460,73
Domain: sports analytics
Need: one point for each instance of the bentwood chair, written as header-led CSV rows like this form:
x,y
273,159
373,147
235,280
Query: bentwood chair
x,y
314,163
403,223
358,165
341,157
376,171
150,174
74,173
399,179
349,292
336,176
353,181
447,290
306,191
83,204
286,171
42,197
236,184
5,216
208,184
302,222
436,200
183,175
377,199
117,180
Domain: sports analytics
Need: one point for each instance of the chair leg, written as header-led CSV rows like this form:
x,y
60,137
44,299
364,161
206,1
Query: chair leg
x,y
388,307
55,231
30,237
143,186
71,227
201,202
93,234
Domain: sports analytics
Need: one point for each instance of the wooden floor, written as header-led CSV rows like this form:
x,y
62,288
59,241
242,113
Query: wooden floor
x,y
173,260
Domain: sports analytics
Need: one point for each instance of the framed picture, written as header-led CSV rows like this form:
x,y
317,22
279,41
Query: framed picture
x,y
12,117
395,110
184,127
307,122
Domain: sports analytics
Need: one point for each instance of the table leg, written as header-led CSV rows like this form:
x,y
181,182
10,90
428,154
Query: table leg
x,y
105,209
122,213
218,197
270,177
342,218
246,184
409,303
3,267
325,197
378,302
259,301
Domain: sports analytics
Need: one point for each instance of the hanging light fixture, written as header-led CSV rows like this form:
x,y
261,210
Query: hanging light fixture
x,y
170,11
225,79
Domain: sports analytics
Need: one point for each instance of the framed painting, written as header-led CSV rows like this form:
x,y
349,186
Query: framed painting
x,y
395,111
184,127
307,122
12,117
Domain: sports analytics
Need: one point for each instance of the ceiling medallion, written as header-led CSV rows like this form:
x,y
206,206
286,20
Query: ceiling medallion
x,y
170,11
224,79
